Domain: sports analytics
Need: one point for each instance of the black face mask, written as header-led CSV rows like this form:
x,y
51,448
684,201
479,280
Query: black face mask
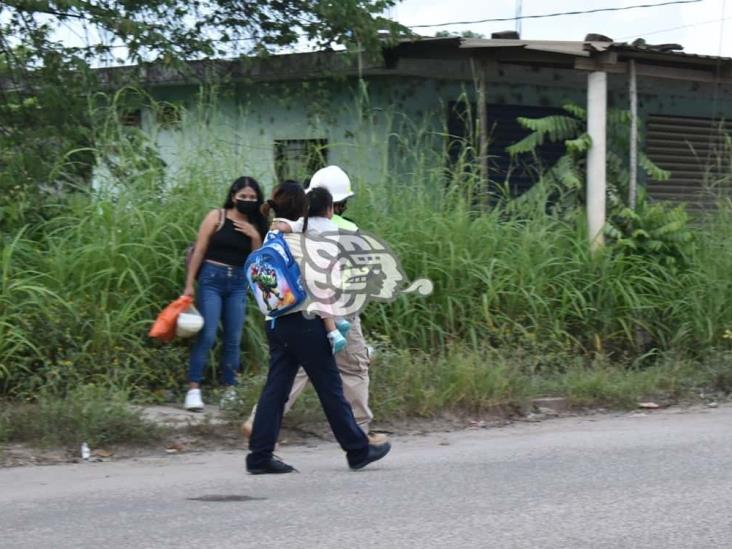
x,y
339,207
246,207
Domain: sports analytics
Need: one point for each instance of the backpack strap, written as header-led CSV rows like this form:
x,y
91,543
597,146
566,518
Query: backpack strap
x,y
222,219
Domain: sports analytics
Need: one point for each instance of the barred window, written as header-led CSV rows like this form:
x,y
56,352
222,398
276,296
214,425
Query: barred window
x,y
169,115
132,118
298,159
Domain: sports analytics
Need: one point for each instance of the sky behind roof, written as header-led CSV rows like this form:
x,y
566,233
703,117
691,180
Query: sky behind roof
x,y
704,27
704,22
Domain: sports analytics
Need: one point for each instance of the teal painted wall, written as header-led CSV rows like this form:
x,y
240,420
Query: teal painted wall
x,y
372,132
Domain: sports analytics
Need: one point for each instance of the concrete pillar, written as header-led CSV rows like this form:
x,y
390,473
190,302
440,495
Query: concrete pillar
x,y
596,156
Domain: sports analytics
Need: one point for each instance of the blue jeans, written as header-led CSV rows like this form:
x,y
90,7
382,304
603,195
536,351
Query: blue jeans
x,y
296,341
221,295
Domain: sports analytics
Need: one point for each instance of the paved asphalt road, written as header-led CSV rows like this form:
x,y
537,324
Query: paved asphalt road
x,y
661,480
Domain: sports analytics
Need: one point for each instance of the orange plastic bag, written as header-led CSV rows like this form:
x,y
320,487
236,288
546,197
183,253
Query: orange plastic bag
x,y
164,326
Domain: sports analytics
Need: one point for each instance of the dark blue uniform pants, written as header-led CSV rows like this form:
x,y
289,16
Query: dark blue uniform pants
x,y
296,341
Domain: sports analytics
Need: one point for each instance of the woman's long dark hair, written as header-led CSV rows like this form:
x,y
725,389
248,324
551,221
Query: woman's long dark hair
x,y
257,219
289,201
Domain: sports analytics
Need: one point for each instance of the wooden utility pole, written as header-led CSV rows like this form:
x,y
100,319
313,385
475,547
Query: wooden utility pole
x,y
483,123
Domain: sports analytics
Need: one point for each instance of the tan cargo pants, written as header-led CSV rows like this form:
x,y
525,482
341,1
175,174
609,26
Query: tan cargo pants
x,y
353,365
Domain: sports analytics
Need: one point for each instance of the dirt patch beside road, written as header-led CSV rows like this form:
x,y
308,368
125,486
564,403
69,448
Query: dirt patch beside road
x,y
186,432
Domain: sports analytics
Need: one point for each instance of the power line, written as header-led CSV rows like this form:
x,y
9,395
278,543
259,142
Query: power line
x,y
691,25
721,26
557,14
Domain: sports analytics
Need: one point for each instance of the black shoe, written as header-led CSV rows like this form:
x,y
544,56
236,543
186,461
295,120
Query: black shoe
x,y
273,467
375,453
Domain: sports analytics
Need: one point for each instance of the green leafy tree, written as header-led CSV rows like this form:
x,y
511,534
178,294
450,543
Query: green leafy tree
x,y
654,229
567,175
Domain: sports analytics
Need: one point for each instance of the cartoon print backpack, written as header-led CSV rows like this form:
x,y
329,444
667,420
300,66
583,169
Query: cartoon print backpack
x,y
274,276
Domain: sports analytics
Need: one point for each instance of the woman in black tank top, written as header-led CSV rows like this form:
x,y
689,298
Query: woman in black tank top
x,y
225,239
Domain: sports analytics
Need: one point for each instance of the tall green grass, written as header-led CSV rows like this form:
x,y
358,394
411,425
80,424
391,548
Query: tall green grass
x,y
528,279
82,289
79,291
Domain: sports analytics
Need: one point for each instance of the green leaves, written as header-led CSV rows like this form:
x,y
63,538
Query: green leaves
x,y
567,175
659,231
552,128
579,145
654,172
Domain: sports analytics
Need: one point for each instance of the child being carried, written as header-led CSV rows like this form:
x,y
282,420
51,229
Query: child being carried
x,y
320,212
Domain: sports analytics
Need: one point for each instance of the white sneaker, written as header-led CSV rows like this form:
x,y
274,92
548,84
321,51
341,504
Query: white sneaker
x,y
193,401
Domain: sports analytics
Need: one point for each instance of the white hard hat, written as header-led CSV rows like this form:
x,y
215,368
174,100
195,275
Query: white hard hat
x,y
189,323
335,180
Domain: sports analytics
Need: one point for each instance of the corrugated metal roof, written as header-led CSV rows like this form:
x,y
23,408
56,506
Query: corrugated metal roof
x,y
625,47
568,47
555,46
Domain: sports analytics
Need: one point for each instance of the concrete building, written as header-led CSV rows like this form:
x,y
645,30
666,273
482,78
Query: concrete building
x,y
283,116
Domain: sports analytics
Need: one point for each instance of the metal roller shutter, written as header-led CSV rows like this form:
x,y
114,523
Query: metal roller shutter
x,y
694,151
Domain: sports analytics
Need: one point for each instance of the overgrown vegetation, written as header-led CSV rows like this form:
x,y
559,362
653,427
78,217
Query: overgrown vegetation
x,y
48,51
565,179
520,308
87,413
659,230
